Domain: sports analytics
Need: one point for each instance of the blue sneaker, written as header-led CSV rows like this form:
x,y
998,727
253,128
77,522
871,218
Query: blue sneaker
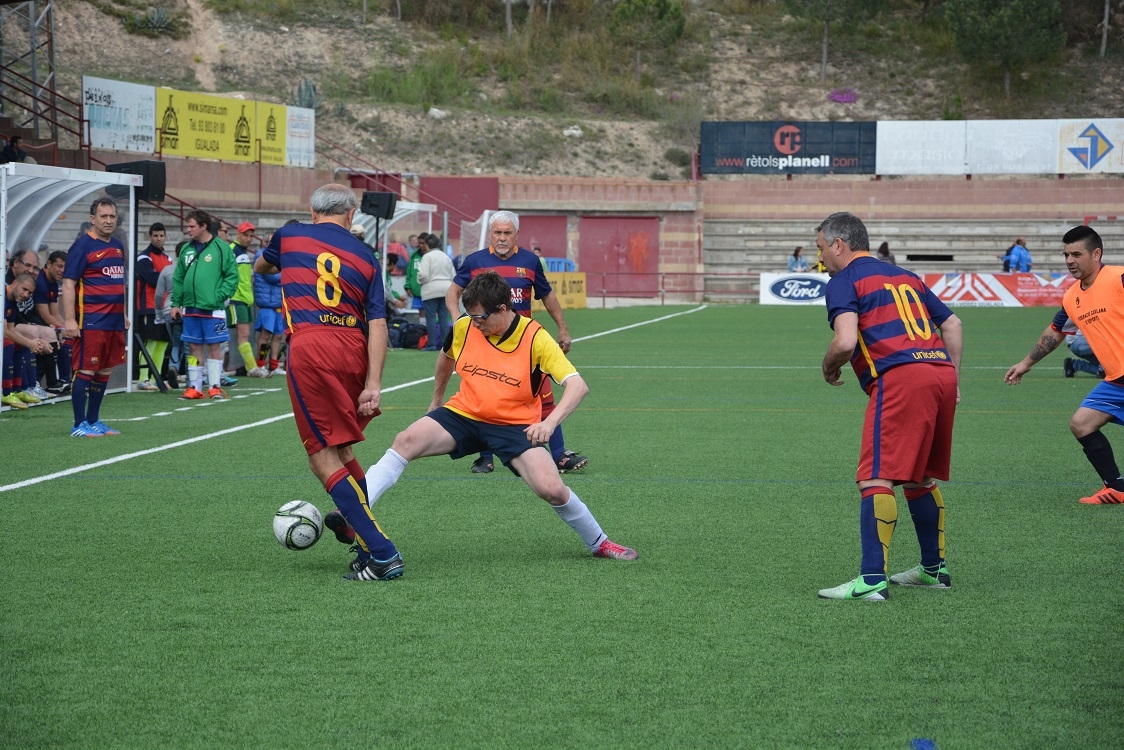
x,y
379,570
104,429
85,430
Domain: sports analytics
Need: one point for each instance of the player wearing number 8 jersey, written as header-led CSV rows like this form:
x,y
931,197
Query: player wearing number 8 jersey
x,y
904,345
335,318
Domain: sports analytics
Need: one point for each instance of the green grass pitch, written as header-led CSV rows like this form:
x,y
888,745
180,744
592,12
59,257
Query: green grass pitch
x,y
145,602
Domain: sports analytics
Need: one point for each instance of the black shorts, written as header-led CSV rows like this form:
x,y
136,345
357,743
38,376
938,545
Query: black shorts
x,y
506,441
149,330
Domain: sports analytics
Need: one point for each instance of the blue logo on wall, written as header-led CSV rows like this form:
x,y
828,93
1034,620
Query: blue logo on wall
x,y
798,289
1098,147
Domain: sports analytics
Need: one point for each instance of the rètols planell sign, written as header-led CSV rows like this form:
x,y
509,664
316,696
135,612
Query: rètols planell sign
x,y
788,147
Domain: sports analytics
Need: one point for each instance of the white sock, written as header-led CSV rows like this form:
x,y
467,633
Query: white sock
x,y
575,513
383,475
195,376
214,372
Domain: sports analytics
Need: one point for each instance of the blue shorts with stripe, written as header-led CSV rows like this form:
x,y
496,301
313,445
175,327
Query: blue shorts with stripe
x,y
270,320
199,329
506,441
1107,398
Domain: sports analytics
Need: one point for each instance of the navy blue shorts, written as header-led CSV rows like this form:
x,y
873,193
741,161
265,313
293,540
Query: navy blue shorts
x,y
506,441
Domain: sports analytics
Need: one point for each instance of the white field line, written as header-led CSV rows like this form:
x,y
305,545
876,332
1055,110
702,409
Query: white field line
x,y
231,430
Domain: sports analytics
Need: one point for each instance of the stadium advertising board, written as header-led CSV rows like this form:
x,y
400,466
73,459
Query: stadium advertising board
x,y
122,116
1086,146
788,147
922,147
271,132
568,287
1012,146
999,290
201,125
300,137
793,288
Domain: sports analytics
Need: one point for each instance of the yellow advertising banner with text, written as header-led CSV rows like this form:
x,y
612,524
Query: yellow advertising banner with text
x,y
569,288
206,126
273,124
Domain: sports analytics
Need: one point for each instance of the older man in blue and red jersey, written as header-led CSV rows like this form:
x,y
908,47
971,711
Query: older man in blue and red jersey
x,y
1095,306
524,273
886,324
93,314
335,313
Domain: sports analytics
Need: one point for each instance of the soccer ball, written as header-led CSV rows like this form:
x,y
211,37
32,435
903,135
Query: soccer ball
x,y
298,525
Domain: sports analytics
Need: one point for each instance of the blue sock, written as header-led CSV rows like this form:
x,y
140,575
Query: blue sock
x,y
66,355
926,507
352,502
557,444
30,371
878,514
94,396
78,396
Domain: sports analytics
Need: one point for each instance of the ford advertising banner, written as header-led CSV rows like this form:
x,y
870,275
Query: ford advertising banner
x,y
793,288
788,147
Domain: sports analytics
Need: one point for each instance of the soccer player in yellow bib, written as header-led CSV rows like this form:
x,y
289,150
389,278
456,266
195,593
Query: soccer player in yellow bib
x,y
504,360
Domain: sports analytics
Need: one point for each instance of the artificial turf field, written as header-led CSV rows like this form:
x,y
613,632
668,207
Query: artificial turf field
x,y
145,603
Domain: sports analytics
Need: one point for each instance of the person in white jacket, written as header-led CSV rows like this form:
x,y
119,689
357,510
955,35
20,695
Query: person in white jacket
x,y
435,274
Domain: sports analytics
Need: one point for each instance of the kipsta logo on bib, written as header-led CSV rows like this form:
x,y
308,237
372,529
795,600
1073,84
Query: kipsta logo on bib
x,y
798,289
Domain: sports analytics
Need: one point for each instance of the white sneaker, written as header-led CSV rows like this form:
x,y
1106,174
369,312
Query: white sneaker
x,y
258,372
41,393
278,371
147,385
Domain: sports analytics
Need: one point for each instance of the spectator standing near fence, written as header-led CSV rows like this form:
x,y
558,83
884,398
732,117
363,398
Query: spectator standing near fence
x,y
205,278
94,316
154,336
240,312
435,274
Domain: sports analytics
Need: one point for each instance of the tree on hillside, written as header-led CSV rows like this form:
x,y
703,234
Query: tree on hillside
x,y
1010,34
828,12
647,23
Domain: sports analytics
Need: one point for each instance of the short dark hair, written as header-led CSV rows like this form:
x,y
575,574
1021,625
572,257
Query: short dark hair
x,y
1085,234
56,255
433,241
29,278
200,217
157,227
103,201
489,290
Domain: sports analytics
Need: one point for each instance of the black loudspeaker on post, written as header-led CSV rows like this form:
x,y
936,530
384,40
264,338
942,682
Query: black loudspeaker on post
x,y
379,205
153,174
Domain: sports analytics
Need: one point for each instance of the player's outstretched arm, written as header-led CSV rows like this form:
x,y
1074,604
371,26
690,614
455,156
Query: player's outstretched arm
x,y
1046,343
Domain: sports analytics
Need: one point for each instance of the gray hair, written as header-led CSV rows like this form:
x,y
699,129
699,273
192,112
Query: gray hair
x,y
19,255
333,199
509,217
847,227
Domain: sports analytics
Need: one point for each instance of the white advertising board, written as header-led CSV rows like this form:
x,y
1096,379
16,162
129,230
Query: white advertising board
x,y
921,147
1012,147
793,288
1091,145
300,144
122,115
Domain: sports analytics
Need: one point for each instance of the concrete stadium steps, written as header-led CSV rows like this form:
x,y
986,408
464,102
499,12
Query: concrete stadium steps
x,y
733,249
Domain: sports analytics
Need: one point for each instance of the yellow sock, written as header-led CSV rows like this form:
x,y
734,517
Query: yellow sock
x,y
886,514
246,349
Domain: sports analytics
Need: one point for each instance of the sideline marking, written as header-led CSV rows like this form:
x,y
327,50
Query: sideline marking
x,y
232,430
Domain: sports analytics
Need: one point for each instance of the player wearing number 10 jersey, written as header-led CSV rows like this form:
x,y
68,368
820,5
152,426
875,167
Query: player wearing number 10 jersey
x,y
335,318
904,345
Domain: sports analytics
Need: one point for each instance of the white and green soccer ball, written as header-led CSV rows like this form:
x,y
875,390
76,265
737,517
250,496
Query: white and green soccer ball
x,y
298,525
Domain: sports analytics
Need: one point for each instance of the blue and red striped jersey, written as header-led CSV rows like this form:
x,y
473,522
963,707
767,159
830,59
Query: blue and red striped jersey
x,y
898,317
98,270
46,291
522,270
328,277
